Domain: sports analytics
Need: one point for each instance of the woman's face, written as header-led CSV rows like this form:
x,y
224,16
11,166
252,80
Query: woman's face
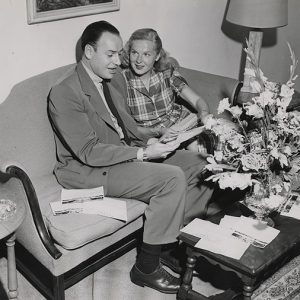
x,y
142,57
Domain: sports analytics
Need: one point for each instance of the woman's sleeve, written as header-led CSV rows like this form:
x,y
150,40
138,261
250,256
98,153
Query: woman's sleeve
x,y
177,82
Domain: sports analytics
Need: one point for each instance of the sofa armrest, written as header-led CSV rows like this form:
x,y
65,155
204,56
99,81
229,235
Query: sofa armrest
x,y
12,171
212,88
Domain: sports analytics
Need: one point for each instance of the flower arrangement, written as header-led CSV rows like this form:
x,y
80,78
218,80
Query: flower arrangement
x,y
262,154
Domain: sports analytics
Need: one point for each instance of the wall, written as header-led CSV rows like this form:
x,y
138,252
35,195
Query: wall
x,y
192,31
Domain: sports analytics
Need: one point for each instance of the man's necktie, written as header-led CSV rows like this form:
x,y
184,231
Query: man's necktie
x,y
114,111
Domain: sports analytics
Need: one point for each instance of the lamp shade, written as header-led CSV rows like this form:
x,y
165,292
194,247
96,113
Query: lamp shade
x,y
258,13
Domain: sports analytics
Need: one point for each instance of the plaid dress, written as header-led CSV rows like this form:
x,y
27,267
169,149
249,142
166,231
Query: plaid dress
x,y
156,107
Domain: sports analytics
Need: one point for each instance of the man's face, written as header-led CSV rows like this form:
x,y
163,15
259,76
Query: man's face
x,y
142,57
105,59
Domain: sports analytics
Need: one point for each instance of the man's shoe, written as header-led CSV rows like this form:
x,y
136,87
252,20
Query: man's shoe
x,y
175,259
160,280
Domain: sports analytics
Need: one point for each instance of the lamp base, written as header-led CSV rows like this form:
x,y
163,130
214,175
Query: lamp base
x,y
254,46
244,97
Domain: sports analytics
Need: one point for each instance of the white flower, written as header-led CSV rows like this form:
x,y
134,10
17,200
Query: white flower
x,y
255,111
273,202
287,150
223,105
210,123
236,111
286,91
232,180
265,98
252,161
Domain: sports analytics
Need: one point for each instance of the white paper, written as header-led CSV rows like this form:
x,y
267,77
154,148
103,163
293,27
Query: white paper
x,y
216,238
257,229
200,228
225,245
257,233
292,207
71,195
107,207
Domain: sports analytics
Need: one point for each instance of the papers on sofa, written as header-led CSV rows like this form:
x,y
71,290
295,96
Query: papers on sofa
x,y
107,207
292,207
216,238
81,195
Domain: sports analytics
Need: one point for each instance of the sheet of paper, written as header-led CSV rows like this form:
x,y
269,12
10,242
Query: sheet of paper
x,y
216,238
71,195
225,245
292,207
233,223
251,230
201,228
107,207
259,230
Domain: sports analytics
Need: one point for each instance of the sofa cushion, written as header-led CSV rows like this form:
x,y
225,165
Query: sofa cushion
x,y
75,230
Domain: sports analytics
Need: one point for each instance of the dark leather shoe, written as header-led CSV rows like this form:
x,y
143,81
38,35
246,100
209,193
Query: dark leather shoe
x,y
160,280
175,259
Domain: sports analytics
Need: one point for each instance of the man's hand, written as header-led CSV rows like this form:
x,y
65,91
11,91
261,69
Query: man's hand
x,y
160,150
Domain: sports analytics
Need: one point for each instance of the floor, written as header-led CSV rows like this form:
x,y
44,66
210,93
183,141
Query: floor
x,y
110,283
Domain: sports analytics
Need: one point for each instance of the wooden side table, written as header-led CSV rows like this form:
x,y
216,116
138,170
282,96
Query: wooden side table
x,y
7,231
254,266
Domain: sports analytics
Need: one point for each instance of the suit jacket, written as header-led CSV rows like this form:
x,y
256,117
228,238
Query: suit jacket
x,y
87,142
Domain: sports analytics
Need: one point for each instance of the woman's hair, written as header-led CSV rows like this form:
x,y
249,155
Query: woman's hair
x,y
151,35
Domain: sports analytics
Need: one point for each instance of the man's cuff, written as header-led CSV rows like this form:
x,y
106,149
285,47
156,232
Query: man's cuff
x,y
141,155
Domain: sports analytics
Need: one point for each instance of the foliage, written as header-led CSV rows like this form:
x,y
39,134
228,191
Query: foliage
x,y
263,155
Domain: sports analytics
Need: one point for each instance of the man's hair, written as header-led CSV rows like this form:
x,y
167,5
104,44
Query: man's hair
x,y
94,31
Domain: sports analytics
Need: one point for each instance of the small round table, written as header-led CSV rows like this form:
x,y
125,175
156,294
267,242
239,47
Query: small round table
x,y
7,231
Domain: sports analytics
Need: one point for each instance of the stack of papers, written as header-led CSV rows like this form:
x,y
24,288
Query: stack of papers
x,y
232,236
89,201
292,207
81,195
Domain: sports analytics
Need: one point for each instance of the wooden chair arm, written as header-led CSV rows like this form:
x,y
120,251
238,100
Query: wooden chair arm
x,y
17,172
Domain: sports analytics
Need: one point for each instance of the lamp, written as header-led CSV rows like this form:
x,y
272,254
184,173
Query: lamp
x,y
256,14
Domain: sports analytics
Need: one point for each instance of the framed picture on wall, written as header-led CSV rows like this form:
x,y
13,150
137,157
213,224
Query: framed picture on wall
x,y
39,11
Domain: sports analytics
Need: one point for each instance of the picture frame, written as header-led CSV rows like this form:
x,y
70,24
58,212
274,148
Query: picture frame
x,y
39,11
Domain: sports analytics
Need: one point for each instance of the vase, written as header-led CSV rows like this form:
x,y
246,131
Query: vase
x,y
257,211
253,200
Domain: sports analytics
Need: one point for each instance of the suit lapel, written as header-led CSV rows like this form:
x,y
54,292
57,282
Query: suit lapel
x,y
96,100
91,91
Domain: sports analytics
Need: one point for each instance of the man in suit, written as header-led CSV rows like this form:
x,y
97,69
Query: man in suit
x,y
98,145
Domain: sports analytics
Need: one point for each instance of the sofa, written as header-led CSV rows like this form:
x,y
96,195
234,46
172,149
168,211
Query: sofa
x,y
56,252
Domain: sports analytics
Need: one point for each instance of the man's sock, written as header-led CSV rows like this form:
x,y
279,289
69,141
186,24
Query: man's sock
x,y
148,258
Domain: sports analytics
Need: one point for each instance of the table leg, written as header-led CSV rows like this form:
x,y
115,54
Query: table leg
x,y
11,268
247,291
186,285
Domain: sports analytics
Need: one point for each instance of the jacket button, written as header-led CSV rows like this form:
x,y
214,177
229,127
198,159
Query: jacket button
x,y
104,173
